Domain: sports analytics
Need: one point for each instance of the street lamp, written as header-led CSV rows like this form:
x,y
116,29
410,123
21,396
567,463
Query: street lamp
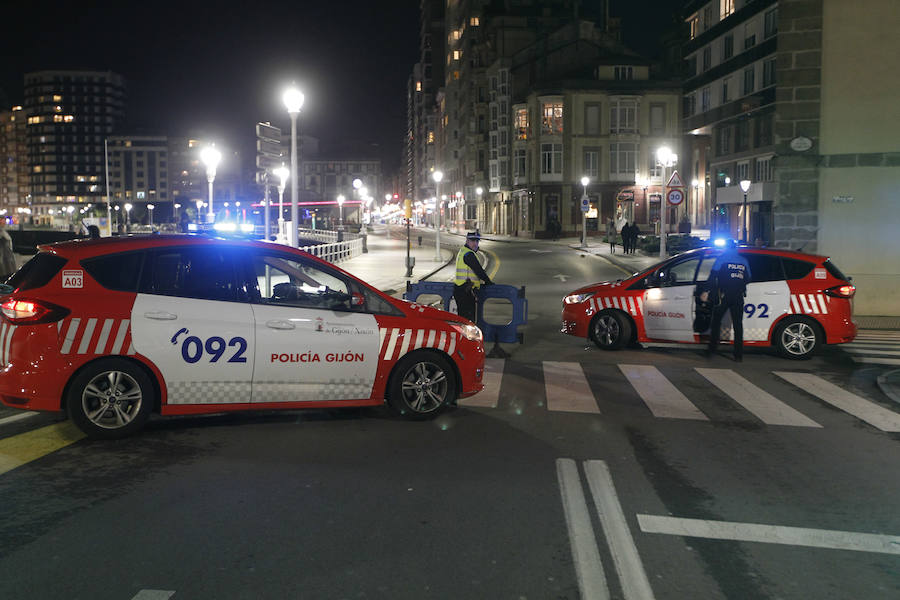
x,y
437,176
210,157
665,158
176,206
293,100
150,208
128,208
584,183
340,201
460,202
745,187
283,174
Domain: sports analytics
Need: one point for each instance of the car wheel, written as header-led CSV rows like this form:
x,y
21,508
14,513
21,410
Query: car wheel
x,y
422,384
797,339
110,399
611,330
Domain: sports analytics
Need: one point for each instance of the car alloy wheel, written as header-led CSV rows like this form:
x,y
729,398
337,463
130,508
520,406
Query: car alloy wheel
x,y
110,398
422,385
610,330
798,339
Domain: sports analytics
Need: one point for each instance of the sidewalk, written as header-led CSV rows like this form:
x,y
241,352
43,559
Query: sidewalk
x,y
384,265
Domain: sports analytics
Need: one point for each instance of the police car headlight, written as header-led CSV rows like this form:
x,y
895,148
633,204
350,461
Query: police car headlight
x,y
470,332
576,298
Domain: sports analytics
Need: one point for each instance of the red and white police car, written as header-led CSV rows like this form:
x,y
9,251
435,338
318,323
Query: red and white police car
x,y
795,302
113,329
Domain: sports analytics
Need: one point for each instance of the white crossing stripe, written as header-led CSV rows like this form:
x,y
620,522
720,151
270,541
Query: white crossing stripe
x,y
661,397
493,376
154,595
766,407
871,413
770,534
876,361
567,388
877,351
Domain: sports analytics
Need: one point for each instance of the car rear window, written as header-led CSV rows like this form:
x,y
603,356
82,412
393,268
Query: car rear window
x,y
120,272
796,269
835,272
37,272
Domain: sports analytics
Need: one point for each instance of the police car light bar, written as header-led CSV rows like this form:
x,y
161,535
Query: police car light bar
x,y
719,242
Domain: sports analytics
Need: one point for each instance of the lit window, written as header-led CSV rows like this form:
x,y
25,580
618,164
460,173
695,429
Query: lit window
x,y
57,108
456,54
68,118
429,139
726,7
521,123
474,21
418,86
57,118
694,22
38,168
57,98
552,118
456,34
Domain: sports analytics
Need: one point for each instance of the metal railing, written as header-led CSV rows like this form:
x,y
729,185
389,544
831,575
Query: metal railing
x,y
336,252
325,235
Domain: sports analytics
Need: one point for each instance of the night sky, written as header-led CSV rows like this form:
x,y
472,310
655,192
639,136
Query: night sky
x,y
215,69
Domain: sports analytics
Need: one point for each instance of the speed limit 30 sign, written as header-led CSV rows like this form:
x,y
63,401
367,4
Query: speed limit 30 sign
x,y
675,196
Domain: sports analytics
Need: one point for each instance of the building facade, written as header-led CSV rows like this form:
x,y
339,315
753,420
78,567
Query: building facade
x,y
14,182
729,113
68,116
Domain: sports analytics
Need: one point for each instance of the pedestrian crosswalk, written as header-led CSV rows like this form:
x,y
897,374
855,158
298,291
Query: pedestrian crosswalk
x,y
873,346
776,399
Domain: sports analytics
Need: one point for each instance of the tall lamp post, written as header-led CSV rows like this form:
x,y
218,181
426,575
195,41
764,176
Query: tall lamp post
x,y
340,201
437,176
128,207
210,157
745,187
176,206
478,192
283,174
460,202
293,100
150,208
584,183
665,158
696,200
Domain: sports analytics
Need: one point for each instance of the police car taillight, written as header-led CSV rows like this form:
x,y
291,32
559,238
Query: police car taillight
x,y
841,291
32,312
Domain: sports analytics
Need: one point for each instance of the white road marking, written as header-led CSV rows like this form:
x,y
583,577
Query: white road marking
x,y
154,595
876,361
490,395
661,397
873,350
765,406
567,388
771,534
632,577
562,278
871,413
18,417
588,568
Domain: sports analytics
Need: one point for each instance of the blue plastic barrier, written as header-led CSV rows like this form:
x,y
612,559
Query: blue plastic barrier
x,y
506,333
444,289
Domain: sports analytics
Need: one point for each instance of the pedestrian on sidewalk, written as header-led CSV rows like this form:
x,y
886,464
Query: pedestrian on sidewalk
x,y
7,256
635,233
728,279
611,236
626,237
469,276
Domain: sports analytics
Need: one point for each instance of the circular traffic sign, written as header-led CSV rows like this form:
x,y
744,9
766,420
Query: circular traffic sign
x,y
585,204
675,196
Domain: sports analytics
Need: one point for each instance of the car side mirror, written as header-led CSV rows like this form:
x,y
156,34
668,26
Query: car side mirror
x,y
357,299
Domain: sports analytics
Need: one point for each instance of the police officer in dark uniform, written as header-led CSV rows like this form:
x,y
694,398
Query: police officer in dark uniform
x,y
469,275
728,280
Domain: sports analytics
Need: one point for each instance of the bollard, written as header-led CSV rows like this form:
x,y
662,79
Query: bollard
x,y
420,240
365,238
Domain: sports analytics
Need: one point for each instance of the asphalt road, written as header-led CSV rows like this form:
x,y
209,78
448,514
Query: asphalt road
x,y
561,480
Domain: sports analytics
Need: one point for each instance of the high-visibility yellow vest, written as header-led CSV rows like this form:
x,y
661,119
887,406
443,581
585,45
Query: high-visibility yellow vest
x,y
463,272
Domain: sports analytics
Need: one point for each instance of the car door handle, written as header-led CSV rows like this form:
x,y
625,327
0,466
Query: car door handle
x,y
771,293
681,297
161,315
280,325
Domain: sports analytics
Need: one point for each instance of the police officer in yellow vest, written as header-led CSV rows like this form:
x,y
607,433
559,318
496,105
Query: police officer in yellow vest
x,y
469,275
